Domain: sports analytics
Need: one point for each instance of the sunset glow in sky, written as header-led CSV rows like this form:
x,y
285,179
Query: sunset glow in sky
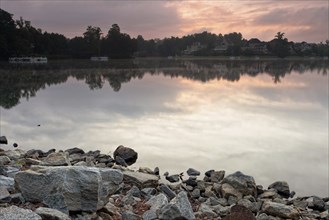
x,y
302,20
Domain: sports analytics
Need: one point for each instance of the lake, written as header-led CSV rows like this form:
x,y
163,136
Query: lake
x,y
268,119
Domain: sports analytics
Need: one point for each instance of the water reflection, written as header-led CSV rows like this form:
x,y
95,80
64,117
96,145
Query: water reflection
x,y
180,114
25,81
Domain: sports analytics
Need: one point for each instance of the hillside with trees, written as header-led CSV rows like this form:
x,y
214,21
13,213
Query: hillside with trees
x,y
19,38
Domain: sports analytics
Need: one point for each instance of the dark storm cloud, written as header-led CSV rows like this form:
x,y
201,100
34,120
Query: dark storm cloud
x,y
298,23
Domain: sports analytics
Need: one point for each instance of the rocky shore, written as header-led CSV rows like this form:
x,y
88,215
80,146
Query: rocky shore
x,y
78,185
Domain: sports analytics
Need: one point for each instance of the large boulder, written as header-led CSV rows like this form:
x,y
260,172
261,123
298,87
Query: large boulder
x,y
56,159
15,154
15,213
72,188
281,187
280,210
227,190
51,214
129,155
142,180
242,183
178,208
315,203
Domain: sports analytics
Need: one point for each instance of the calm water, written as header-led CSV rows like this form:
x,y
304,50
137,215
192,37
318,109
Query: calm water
x,y
266,119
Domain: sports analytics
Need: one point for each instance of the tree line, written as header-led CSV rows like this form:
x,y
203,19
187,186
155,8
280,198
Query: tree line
x,y
20,38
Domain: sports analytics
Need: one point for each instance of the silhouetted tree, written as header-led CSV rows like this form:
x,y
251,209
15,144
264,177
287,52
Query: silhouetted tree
x,y
279,46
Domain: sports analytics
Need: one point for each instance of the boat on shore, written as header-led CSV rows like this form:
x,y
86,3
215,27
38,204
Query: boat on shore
x,y
24,60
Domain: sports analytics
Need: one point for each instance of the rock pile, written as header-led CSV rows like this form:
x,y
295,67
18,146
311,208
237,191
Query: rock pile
x,y
76,185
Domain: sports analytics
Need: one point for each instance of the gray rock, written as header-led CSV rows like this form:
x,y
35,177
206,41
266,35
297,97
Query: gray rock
x,y
212,201
221,210
4,195
260,189
75,150
9,171
242,183
69,188
157,202
167,191
324,215
31,161
56,159
145,170
169,212
4,160
15,213
156,171
140,179
16,198
206,211
15,154
208,173
201,185
35,154
217,188
7,182
81,163
280,210
301,204
279,200
196,193
227,190
134,191
269,194
315,203
217,176
120,161
51,214
250,198
126,153
193,172
3,140
129,215
74,158
191,181
148,192
101,165
128,200
281,187
209,192
252,206
232,200
179,207
173,178
93,154
150,215
263,216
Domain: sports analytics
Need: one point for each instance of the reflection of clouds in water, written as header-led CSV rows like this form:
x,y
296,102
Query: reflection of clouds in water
x,y
176,124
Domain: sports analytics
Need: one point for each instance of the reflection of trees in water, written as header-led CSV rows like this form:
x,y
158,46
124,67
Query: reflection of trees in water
x,y
24,81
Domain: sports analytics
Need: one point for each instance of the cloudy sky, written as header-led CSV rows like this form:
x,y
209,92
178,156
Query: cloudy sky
x,y
301,20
